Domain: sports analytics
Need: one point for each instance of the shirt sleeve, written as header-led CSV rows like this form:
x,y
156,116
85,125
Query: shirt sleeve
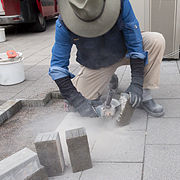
x,y
132,33
60,53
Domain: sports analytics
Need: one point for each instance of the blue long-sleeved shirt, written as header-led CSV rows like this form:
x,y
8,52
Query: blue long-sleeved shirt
x,y
127,22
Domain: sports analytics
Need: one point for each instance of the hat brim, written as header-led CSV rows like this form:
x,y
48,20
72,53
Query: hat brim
x,y
94,28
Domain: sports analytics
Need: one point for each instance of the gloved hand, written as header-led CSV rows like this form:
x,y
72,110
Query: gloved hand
x,y
135,89
75,98
135,93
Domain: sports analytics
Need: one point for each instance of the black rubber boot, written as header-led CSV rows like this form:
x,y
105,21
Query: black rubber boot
x,y
152,108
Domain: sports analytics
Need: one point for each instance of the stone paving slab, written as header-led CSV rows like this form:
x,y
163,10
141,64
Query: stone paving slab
x,y
68,175
167,91
36,72
121,145
39,89
169,79
19,165
15,88
171,107
4,96
169,67
162,162
163,131
138,121
113,171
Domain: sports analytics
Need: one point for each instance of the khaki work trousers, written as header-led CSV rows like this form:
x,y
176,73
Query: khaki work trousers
x,y
91,83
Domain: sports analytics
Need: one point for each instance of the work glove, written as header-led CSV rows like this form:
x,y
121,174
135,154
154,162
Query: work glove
x,y
135,89
75,98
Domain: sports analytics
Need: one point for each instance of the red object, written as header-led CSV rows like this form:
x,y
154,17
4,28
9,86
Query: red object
x,y
11,54
27,11
2,2
12,7
39,6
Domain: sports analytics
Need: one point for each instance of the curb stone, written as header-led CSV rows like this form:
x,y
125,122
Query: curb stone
x,y
11,107
20,165
8,109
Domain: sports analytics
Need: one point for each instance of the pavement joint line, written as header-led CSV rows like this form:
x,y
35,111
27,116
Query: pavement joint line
x,y
167,98
163,144
151,117
144,153
178,66
80,175
117,162
164,117
11,107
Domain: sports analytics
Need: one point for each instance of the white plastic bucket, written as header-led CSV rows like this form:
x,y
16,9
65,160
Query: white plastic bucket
x,y
11,71
2,35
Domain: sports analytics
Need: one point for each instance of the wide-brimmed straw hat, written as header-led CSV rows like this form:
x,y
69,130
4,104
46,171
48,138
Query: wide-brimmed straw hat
x,y
89,18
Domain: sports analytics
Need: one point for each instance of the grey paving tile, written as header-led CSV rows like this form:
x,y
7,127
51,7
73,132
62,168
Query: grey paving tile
x,y
38,90
47,51
169,79
138,121
163,131
167,91
36,72
124,84
120,72
111,171
162,162
73,67
169,67
119,146
33,60
171,107
68,175
1,102
4,96
16,88
45,61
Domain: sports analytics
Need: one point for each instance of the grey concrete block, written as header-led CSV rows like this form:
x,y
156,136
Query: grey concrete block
x,y
162,162
8,109
40,174
163,131
48,147
78,148
20,165
114,171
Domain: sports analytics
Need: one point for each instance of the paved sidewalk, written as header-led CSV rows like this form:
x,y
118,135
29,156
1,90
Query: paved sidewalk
x,y
36,49
147,149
